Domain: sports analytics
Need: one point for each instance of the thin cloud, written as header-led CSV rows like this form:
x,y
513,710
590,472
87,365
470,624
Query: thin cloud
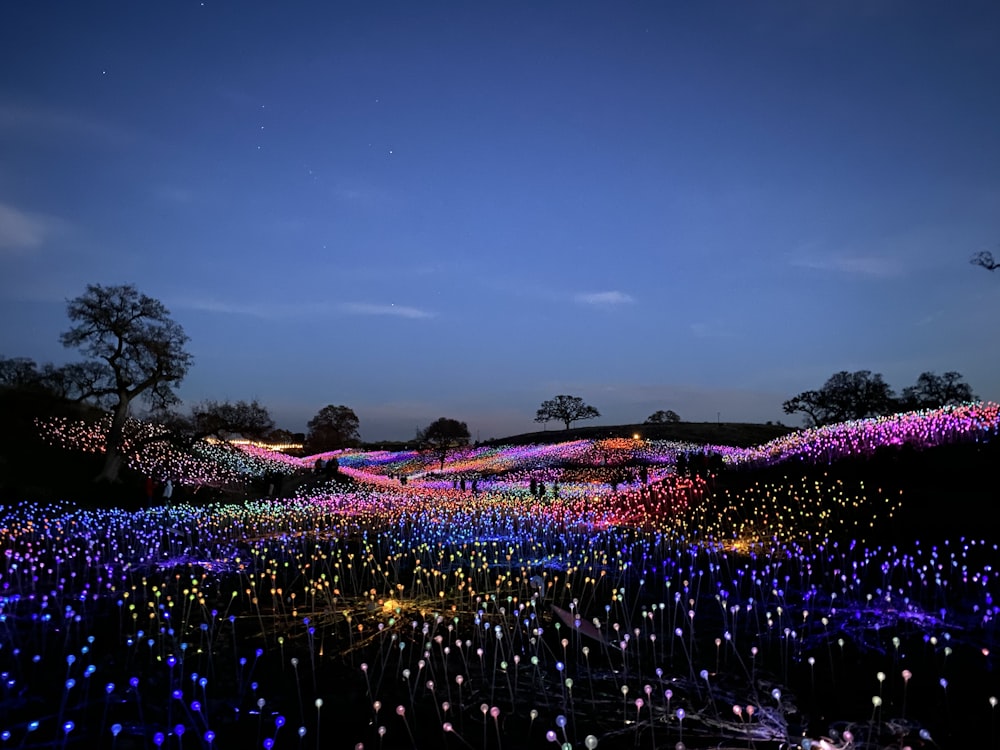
x,y
21,231
264,311
32,121
272,311
400,311
604,299
867,266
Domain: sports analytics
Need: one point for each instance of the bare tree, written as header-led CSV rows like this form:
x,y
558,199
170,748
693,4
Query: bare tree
x,y
139,349
565,409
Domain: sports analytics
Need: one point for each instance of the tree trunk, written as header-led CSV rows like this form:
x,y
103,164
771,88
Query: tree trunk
x,y
112,464
112,447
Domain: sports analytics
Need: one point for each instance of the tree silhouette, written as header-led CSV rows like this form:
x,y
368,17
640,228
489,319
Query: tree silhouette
x,y
443,435
75,381
334,427
846,395
19,372
566,409
222,420
933,391
663,416
138,349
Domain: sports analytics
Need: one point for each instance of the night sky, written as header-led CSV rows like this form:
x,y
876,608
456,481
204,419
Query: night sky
x,y
426,209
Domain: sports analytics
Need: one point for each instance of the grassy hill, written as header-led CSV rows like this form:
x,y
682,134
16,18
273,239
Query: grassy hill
x,y
737,434
946,488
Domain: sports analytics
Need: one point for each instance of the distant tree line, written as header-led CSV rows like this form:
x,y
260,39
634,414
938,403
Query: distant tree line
x,y
569,409
863,394
333,428
133,349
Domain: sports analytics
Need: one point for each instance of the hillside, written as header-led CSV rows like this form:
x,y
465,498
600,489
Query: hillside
x,y
31,470
736,434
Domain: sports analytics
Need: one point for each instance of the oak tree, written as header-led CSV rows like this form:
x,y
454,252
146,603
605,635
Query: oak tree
x,y
443,435
845,396
333,428
224,419
565,409
663,416
134,348
933,391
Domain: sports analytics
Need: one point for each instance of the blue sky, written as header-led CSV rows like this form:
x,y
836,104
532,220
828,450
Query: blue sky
x,y
462,209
